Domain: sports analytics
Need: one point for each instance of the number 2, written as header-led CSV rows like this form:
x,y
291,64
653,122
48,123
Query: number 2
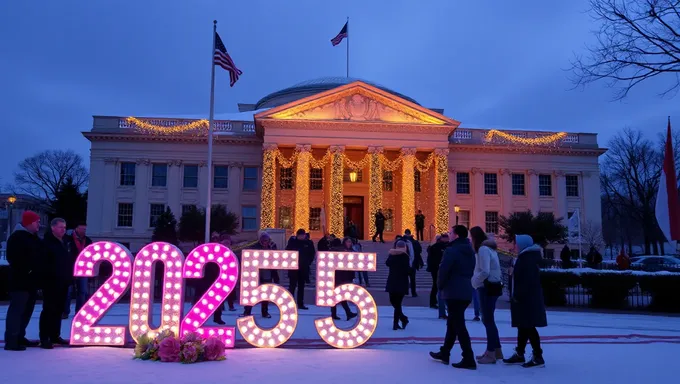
x,y
83,329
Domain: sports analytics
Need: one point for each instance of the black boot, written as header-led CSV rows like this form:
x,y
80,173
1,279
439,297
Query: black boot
x,y
404,322
218,319
465,364
535,362
29,343
440,356
46,344
516,358
396,326
351,315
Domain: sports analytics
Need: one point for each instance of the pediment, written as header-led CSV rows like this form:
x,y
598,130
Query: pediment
x,y
357,102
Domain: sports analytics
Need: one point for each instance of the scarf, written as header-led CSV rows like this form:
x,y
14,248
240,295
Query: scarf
x,y
79,244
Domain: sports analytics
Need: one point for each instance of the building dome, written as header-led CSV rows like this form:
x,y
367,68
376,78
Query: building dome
x,y
312,87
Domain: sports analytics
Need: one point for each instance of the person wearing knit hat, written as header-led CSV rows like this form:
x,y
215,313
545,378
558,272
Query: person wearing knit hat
x,y
24,255
527,308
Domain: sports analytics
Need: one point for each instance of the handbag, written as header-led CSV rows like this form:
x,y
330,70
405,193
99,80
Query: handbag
x,y
493,288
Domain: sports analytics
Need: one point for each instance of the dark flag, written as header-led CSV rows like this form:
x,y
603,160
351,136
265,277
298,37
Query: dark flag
x,y
343,33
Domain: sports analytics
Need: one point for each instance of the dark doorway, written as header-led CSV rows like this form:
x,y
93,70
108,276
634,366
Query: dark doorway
x,y
353,207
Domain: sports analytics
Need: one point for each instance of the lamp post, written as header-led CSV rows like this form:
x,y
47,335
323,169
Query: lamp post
x,y
353,176
10,203
456,208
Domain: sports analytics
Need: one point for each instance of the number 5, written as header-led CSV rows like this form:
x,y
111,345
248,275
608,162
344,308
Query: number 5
x,y
327,295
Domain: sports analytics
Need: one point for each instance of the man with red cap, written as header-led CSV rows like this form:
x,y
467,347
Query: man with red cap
x,y
24,254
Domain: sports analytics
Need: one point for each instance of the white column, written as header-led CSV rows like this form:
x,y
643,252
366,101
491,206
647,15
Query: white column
x,y
506,192
111,181
533,191
560,193
452,198
590,198
477,216
140,215
96,197
203,184
234,187
174,187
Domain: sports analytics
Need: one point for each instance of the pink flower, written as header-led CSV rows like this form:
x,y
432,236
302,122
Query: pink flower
x,y
213,349
190,337
189,353
168,350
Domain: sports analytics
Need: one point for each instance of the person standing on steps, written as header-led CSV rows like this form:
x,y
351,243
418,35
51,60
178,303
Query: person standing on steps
x,y
420,225
379,225
487,281
267,276
58,276
434,258
454,282
416,258
306,253
527,308
397,282
344,277
25,255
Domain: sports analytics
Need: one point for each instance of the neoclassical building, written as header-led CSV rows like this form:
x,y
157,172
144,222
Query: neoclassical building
x,y
326,151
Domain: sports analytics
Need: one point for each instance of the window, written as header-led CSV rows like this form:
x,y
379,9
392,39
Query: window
x,y
314,219
490,184
249,217
154,212
518,184
285,218
127,173
464,218
491,222
463,183
159,175
187,207
389,220
416,180
125,214
388,181
316,179
545,185
572,185
190,176
250,179
286,178
347,179
221,177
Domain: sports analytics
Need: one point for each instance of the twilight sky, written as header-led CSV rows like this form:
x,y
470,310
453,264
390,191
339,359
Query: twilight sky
x,y
487,63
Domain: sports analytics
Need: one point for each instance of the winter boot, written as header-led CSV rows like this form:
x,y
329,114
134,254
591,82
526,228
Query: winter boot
x,y
440,356
465,364
535,362
404,322
487,358
516,358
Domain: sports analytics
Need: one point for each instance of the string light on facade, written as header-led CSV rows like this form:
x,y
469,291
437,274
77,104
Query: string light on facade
x,y
408,198
375,192
194,268
83,329
328,295
552,139
252,293
147,127
337,224
141,300
302,182
441,190
268,196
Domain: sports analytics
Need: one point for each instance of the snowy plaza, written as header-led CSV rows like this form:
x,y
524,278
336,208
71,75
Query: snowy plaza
x,y
578,347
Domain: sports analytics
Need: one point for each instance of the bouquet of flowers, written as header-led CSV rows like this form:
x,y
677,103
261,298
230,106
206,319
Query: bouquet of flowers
x,y
191,348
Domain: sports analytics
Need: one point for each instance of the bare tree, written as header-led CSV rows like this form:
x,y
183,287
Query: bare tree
x,y
44,174
637,40
591,235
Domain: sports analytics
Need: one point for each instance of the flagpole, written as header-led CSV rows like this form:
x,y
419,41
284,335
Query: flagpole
x,y
580,254
348,46
208,204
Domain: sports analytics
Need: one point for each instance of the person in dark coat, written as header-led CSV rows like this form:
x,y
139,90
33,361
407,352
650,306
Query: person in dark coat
x,y
379,225
335,242
25,254
454,283
397,282
77,242
527,308
420,225
297,277
416,259
435,252
565,256
225,240
267,276
344,277
324,244
57,278
309,259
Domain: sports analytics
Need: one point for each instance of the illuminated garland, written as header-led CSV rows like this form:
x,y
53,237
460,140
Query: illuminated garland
x,y
337,223
441,193
408,191
302,190
553,139
424,166
167,130
268,210
375,192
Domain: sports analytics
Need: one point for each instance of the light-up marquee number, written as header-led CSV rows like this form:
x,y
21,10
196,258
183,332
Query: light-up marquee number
x,y
141,301
83,329
327,295
194,268
252,293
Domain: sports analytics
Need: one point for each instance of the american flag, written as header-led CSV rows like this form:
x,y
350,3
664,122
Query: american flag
x,y
222,58
338,39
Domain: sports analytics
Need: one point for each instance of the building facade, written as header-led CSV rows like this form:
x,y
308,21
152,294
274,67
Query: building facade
x,y
321,153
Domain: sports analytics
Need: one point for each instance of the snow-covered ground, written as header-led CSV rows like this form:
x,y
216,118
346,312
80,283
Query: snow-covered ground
x,y
579,347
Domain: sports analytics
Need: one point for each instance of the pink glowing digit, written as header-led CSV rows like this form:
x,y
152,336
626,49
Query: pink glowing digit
x,y
252,292
216,294
83,329
141,301
328,295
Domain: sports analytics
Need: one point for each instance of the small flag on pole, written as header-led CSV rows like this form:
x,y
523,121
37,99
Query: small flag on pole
x,y
223,59
574,227
338,39
667,203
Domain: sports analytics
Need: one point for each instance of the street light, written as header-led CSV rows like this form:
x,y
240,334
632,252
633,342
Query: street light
x,y
12,199
10,202
353,176
456,208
